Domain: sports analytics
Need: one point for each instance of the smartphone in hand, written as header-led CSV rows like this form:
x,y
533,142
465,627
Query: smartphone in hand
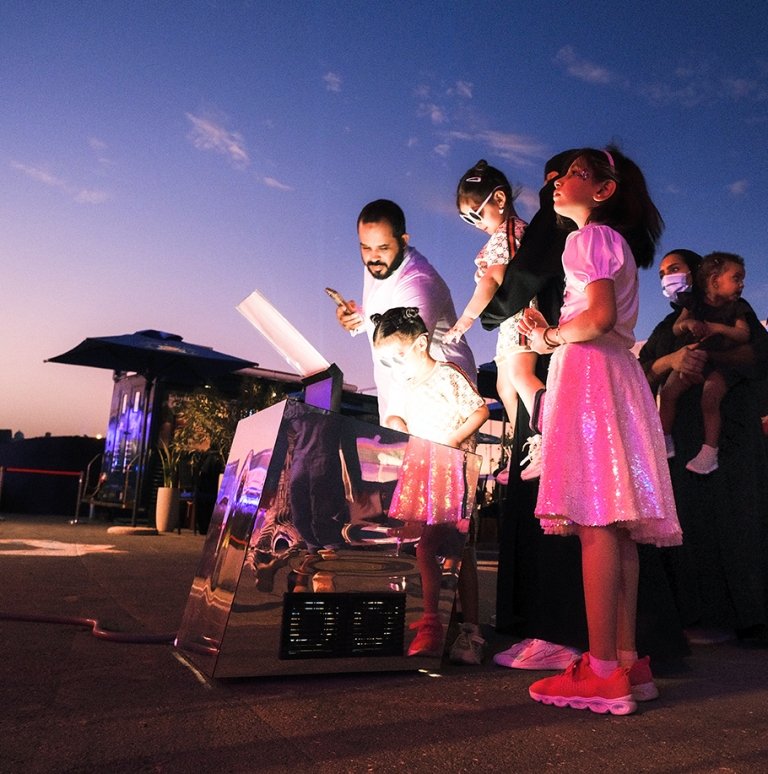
x,y
340,302
336,296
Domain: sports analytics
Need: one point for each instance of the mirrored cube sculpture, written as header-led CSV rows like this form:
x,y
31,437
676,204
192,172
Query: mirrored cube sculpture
x,y
310,562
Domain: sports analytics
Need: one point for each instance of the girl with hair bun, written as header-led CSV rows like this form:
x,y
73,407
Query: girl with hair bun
x,y
485,199
434,401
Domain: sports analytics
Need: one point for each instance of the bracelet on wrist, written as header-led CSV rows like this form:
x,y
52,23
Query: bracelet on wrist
x,y
545,337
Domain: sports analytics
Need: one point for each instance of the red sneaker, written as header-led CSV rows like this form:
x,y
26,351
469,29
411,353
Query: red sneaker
x,y
641,681
429,641
579,687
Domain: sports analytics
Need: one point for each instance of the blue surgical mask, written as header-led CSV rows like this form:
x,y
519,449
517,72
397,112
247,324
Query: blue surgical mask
x,y
674,284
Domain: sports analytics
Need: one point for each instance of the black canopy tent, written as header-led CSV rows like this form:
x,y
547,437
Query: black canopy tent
x,y
156,356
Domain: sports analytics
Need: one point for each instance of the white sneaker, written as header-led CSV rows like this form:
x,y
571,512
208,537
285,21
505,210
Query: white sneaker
x,y
505,657
469,647
540,654
533,444
705,462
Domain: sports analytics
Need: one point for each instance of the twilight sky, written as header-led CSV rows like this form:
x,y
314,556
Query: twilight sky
x,y
160,160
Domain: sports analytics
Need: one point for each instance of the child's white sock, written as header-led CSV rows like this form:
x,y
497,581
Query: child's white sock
x,y
603,669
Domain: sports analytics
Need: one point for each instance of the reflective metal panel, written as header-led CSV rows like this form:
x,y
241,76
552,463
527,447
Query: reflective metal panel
x,y
310,563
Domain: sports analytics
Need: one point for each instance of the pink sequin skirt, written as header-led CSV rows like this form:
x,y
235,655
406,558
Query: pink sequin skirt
x,y
431,486
603,459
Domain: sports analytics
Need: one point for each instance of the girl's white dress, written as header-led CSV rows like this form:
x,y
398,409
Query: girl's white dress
x,y
603,458
432,482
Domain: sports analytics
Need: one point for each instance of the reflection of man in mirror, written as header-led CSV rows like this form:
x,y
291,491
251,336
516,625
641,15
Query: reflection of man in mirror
x,y
399,276
317,495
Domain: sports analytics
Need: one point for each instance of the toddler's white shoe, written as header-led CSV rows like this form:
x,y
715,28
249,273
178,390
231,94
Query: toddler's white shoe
x,y
469,647
533,444
705,462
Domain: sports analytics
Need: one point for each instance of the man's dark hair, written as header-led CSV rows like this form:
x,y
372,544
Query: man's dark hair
x,y
384,210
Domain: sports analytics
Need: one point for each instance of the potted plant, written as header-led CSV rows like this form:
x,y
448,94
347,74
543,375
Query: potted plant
x,y
204,428
168,495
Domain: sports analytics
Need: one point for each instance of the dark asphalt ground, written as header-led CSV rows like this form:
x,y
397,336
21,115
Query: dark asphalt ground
x,y
70,702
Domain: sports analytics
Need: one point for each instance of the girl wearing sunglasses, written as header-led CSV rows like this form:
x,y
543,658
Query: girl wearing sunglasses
x,y
485,200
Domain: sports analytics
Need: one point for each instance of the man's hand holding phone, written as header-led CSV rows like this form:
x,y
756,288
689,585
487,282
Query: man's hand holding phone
x,y
346,313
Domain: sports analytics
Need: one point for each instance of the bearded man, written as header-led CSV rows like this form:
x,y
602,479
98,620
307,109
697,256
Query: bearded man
x,y
398,275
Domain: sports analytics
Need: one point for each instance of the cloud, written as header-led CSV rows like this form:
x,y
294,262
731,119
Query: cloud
x,y
37,173
582,69
100,149
332,81
42,175
92,197
689,84
206,134
458,121
737,188
745,88
463,89
434,112
272,183
515,147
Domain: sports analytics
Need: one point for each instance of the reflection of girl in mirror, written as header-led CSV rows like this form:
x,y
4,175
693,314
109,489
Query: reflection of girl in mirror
x,y
437,402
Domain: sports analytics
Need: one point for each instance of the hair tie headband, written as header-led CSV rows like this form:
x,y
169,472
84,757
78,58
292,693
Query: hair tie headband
x,y
610,159
474,180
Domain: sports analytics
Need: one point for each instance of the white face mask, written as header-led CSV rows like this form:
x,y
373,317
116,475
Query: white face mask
x,y
674,284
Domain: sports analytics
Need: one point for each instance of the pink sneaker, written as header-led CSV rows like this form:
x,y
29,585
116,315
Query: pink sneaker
x,y
429,641
641,681
579,687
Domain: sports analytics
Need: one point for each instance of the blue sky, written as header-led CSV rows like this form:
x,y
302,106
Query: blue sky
x,y
159,160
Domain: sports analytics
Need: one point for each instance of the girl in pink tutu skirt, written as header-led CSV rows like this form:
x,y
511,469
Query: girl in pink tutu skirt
x,y
433,402
604,468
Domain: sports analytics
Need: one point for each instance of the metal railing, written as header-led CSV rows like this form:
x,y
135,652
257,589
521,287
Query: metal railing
x,y
92,498
38,471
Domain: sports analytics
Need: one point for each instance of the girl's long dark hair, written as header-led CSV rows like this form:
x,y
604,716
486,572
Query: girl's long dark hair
x,y
630,210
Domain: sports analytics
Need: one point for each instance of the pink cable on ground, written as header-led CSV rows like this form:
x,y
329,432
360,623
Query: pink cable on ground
x,y
96,630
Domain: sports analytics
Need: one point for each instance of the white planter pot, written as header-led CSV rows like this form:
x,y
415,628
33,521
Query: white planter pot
x,y
167,508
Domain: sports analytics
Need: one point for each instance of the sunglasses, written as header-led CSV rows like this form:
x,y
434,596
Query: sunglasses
x,y
473,217
398,360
